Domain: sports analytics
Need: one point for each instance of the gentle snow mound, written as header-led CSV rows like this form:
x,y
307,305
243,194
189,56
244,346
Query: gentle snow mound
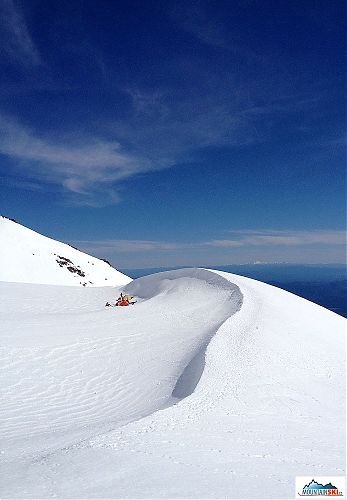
x,y
84,365
248,382
28,257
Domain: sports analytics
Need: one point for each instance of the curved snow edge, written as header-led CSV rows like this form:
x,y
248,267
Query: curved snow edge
x,y
149,286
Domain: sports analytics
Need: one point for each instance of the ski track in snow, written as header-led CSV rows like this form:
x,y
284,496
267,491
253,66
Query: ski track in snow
x,y
149,402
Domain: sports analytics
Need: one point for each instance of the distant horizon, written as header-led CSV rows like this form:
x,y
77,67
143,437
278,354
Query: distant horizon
x,y
116,251
330,264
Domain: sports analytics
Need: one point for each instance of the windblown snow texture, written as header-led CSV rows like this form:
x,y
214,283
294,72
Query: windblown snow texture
x,y
211,386
29,257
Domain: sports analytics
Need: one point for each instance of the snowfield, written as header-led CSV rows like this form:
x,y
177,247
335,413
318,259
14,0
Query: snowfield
x,y
212,386
28,257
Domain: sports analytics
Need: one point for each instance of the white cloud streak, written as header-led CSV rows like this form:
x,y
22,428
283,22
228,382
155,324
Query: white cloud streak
x,y
89,167
281,238
162,127
171,128
16,40
207,27
243,238
125,246
157,136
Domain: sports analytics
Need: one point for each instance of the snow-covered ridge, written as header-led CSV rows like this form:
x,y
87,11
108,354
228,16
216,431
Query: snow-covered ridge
x,y
215,380
29,257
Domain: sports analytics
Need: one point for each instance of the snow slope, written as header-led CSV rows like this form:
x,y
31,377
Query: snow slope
x,y
229,394
29,257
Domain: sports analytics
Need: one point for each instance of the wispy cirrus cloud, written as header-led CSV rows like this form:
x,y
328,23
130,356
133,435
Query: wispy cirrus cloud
x,y
205,25
132,246
243,238
171,125
16,40
158,132
151,121
155,135
195,20
160,128
87,167
312,246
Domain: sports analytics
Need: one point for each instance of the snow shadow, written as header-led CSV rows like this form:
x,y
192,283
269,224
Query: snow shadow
x,y
185,385
155,284
191,375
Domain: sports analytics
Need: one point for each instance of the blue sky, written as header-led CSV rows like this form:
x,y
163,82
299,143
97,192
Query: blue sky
x,y
176,133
